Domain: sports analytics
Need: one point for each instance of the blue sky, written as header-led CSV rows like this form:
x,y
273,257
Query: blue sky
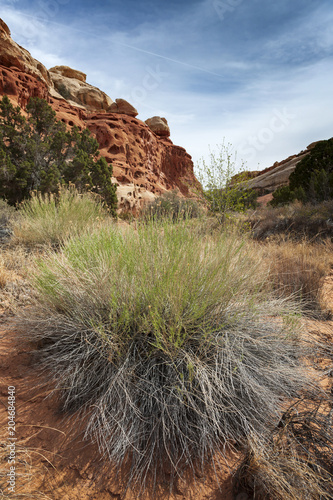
x,y
254,73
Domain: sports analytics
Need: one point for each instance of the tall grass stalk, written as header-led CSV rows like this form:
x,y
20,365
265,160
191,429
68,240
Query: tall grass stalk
x,y
168,341
52,218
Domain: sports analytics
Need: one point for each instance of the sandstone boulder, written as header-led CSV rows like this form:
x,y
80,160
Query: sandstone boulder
x,y
159,126
4,30
132,198
123,107
76,91
69,72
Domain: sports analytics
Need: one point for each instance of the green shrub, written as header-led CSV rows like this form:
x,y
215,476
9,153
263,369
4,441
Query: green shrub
x,y
38,152
223,189
168,341
172,207
52,218
312,179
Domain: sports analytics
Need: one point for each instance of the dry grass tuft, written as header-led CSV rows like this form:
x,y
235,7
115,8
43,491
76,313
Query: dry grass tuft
x,y
15,268
50,219
298,269
296,220
296,462
4,275
169,342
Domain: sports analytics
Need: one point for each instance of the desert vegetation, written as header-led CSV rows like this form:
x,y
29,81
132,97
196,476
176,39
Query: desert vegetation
x,y
224,190
178,340
49,219
172,207
312,180
38,153
173,346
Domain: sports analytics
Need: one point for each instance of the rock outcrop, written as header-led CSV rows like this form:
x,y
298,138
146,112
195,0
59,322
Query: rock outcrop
x,y
132,198
69,73
159,126
145,161
140,157
13,55
277,175
71,85
123,107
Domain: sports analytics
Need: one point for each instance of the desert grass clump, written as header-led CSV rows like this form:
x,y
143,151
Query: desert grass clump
x,y
48,219
25,472
297,220
168,344
15,262
171,206
299,269
4,275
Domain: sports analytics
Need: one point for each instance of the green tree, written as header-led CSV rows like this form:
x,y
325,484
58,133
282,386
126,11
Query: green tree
x,y
312,179
224,191
38,153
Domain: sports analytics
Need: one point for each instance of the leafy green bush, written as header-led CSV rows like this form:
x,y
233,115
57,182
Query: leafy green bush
x,y
52,218
38,152
168,341
224,190
312,179
173,207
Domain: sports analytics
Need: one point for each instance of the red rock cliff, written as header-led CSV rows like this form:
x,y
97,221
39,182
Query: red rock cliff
x,y
145,161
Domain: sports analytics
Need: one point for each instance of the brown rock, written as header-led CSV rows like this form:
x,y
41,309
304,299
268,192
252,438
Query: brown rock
x,y
123,107
277,175
77,92
20,86
140,157
13,55
69,72
4,30
159,126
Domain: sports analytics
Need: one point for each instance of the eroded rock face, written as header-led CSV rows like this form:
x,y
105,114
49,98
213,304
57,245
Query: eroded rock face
x,y
13,55
145,163
139,156
20,86
76,91
5,31
159,126
123,107
132,198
